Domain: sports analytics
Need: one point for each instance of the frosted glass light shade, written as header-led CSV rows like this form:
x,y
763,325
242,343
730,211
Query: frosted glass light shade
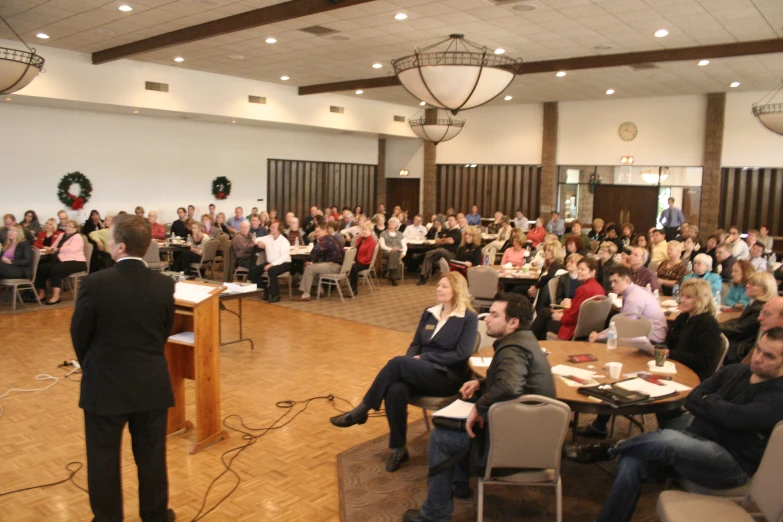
x,y
771,116
18,69
436,125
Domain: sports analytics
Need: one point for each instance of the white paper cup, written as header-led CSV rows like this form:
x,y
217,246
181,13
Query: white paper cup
x,y
615,368
612,296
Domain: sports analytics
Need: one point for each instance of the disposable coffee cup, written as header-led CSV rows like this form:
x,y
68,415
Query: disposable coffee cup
x,y
660,356
612,296
615,368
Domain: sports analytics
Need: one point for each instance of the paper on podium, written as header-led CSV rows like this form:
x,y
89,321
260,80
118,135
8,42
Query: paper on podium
x,y
192,293
184,337
458,409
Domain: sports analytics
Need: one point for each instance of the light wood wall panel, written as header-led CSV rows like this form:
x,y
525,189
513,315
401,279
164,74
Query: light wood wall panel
x,y
492,187
750,198
295,186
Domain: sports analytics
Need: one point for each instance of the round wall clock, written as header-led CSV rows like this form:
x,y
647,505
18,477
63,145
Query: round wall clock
x,y
628,131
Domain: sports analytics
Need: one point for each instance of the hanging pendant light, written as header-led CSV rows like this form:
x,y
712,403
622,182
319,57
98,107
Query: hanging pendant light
x,y
455,74
17,68
770,114
435,125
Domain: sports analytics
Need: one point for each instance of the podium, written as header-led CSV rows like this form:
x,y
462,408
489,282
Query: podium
x,y
193,352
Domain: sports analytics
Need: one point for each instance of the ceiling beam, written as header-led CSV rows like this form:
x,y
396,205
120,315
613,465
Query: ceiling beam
x,y
588,62
231,24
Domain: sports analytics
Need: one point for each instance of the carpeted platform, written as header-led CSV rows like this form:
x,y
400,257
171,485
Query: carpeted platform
x,y
369,493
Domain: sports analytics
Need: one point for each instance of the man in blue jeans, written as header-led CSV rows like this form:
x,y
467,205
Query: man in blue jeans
x,y
518,368
733,414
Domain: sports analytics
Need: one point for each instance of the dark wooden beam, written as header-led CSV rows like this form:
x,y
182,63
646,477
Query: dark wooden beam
x,y
231,24
350,85
588,62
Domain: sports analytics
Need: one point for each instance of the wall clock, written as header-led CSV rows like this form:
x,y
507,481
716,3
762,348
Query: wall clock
x,y
628,131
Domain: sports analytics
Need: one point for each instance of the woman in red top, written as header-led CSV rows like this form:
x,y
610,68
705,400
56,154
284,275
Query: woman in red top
x,y
366,247
538,233
590,288
48,236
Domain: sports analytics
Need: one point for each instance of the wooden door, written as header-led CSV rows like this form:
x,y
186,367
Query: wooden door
x,y
624,203
403,192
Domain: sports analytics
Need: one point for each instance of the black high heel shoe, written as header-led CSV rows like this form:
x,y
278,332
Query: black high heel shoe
x,y
346,420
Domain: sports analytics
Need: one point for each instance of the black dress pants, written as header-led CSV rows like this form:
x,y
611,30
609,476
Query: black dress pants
x,y
55,272
402,377
354,278
544,323
274,286
148,440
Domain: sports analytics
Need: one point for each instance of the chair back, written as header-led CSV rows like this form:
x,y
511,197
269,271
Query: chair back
x,y
485,341
209,251
483,282
592,315
87,253
527,433
167,228
152,255
444,266
36,261
724,349
350,257
629,327
765,490
552,287
374,253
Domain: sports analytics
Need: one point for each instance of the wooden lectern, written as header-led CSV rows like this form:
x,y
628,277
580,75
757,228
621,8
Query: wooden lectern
x,y
197,359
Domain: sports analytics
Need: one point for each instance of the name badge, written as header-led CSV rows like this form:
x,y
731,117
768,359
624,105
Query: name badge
x,y
429,327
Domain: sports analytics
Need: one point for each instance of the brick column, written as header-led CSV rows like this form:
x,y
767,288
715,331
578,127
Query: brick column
x,y
429,180
548,196
380,178
713,150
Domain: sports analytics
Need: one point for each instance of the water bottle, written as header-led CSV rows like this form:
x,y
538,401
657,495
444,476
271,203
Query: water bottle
x,y
676,292
172,236
296,241
486,259
611,340
716,301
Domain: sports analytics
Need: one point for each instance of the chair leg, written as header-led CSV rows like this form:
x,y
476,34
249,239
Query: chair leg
x,y
480,507
348,284
426,419
290,287
559,500
340,290
13,302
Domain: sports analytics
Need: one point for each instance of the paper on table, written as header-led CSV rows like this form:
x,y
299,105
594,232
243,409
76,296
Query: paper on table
x,y
640,343
564,369
648,388
192,293
481,362
239,288
458,409
184,337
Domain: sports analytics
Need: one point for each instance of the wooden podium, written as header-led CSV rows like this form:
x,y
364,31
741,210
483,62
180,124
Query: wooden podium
x,y
197,359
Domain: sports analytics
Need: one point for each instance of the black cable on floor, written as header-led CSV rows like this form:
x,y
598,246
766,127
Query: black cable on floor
x,y
69,478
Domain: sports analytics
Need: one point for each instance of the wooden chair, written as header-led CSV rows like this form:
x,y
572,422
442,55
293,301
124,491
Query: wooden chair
x,y
17,285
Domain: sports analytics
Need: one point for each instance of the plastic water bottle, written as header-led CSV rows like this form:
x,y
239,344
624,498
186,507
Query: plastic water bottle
x,y
172,236
611,340
486,259
716,301
296,241
676,292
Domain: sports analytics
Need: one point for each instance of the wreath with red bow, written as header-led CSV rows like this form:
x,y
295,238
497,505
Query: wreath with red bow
x,y
66,197
221,187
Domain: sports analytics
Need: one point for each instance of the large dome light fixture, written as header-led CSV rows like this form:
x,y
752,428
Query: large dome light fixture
x,y
18,68
457,76
435,125
770,114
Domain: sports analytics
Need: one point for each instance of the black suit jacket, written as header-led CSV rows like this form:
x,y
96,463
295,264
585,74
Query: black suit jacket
x,y
23,258
450,349
122,319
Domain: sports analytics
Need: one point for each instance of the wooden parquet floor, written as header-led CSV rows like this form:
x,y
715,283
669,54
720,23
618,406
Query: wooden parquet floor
x,y
289,474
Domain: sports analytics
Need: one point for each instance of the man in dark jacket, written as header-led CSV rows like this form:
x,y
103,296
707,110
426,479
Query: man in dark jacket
x,y
733,414
122,319
518,368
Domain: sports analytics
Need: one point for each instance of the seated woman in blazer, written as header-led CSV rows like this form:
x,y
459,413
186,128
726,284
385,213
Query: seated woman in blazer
x,y
68,259
435,365
743,331
553,263
16,261
48,236
469,252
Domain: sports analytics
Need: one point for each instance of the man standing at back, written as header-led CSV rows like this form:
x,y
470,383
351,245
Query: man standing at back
x,y
671,218
122,319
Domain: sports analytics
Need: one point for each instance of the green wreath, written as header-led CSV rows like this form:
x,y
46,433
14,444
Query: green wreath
x,y
221,187
75,201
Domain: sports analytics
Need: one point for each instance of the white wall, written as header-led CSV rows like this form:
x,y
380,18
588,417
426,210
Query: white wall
x,y
746,142
671,131
504,135
158,163
404,154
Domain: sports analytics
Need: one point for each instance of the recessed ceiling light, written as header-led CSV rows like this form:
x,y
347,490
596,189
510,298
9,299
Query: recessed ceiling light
x,y
105,32
179,59
233,121
467,165
43,36
610,91
500,51
560,74
135,112
377,65
525,7
734,84
473,165
603,47
507,98
360,91
400,16
271,40
284,78
702,63
236,56
423,104
660,33
125,8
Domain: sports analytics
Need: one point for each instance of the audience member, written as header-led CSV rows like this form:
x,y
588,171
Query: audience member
x,y
765,238
278,261
576,231
308,224
517,253
468,253
325,258
365,248
416,231
447,242
711,247
16,261
139,211
63,217
642,276
671,271
567,285
606,263
771,316
497,223
380,224
503,231
554,256
100,240
538,233
756,257
660,247
737,296
556,225
521,222
725,261
244,246
157,230
462,223
234,221
394,247
702,269
333,227
519,367
295,234
435,228
180,227
597,233
48,236
575,245
209,228
689,251
212,212
739,248
742,332
30,222
671,219
8,221
69,259
93,223
256,230
191,212
434,365
627,236
220,223
474,218
192,255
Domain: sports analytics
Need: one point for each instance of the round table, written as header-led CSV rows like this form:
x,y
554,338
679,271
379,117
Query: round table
x,y
633,361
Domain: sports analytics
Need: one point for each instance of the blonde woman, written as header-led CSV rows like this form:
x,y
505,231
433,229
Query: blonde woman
x,y
48,236
504,234
16,261
435,364
468,253
516,254
209,227
742,332
554,256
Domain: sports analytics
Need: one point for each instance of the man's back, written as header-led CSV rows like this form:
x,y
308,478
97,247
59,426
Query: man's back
x,y
122,319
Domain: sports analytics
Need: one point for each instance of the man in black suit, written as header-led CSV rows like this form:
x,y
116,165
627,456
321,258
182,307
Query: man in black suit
x,y
122,319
